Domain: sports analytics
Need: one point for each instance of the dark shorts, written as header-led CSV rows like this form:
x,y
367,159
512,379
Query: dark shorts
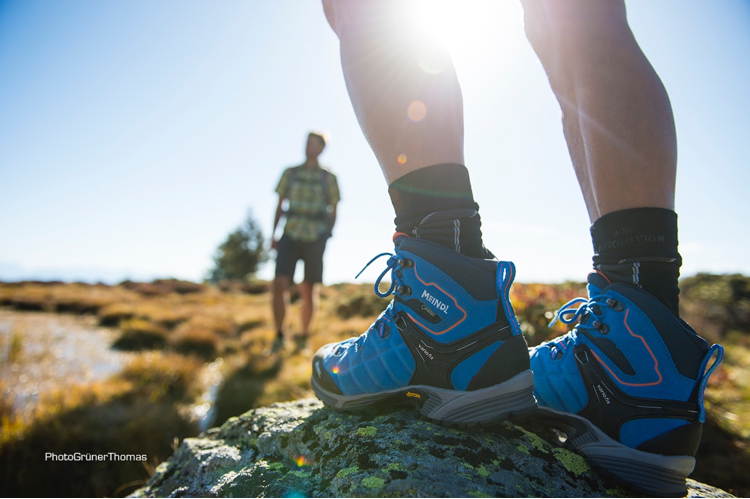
x,y
289,251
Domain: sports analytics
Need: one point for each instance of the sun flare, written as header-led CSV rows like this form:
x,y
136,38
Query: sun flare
x,y
473,31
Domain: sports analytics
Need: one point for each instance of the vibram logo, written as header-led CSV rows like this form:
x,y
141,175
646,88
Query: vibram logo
x,y
413,395
435,302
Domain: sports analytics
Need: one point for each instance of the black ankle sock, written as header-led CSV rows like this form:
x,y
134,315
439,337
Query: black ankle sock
x,y
639,246
436,203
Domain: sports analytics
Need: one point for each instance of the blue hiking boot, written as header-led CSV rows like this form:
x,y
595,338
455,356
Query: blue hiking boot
x,y
627,385
448,344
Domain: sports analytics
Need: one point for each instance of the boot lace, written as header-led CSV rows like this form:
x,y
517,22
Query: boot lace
x,y
589,313
397,286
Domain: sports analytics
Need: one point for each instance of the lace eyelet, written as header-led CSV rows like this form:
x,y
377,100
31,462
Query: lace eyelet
x,y
404,290
602,328
615,304
405,262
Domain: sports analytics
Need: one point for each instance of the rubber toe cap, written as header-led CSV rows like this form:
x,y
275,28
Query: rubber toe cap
x,y
321,376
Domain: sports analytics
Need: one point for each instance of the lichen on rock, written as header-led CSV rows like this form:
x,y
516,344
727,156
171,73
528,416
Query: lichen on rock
x,y
301,449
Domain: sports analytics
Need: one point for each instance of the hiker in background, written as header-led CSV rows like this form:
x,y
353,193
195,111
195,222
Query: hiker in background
x,y
312,194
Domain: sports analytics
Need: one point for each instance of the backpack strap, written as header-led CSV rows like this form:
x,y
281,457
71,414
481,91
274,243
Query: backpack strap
x,y
324,181
292,176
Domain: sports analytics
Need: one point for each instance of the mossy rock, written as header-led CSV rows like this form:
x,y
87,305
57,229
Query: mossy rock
x,y
301,449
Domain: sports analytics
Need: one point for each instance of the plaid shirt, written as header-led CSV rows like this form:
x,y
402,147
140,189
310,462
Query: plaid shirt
x,y
307,216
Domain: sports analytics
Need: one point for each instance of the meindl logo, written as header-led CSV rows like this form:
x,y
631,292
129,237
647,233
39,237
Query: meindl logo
x,y
435,302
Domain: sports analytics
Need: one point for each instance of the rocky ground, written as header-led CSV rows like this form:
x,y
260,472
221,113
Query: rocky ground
x,y
301,449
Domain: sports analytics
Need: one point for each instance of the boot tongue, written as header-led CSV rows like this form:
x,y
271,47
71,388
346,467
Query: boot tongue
x,y
597,283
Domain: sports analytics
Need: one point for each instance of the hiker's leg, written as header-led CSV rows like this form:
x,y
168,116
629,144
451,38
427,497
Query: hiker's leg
x,y
620,131
407,100
384,63
617,116
307,292
280,288
286,262
450,308
313,258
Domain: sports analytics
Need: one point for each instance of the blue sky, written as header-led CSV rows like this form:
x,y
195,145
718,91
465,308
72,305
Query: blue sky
x,y
135,135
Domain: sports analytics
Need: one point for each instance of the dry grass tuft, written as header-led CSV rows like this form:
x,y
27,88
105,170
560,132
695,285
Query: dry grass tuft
x,y
112,315
221,326
535,305
160,376
195,339
15,348
136,412
10,423
141,334
180,287
251,288
358,301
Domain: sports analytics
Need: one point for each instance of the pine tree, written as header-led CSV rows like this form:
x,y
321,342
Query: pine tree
x,y
239,257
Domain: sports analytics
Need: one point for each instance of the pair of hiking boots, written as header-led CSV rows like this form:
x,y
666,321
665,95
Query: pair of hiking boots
x,y
626,384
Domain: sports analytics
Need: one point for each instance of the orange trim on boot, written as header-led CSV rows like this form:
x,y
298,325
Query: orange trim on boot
x,y
399,234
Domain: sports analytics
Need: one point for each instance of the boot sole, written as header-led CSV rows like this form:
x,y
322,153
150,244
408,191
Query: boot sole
x,y
513,398
652,474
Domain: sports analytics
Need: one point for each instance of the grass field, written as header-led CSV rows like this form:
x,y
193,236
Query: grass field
x,y
180,332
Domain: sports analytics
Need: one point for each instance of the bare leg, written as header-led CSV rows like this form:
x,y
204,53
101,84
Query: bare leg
x,y
280,287
620,132
617,117
388,68
410,110
307,290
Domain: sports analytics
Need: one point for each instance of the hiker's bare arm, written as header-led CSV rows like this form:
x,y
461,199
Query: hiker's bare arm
x,y
279,212
333,219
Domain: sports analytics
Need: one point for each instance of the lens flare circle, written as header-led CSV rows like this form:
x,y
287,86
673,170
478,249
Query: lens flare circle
x,y
417,111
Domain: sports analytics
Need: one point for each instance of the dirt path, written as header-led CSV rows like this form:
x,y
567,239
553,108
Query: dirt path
x,y
41,351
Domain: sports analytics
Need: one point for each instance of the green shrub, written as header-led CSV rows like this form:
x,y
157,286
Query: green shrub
x,y
241,254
